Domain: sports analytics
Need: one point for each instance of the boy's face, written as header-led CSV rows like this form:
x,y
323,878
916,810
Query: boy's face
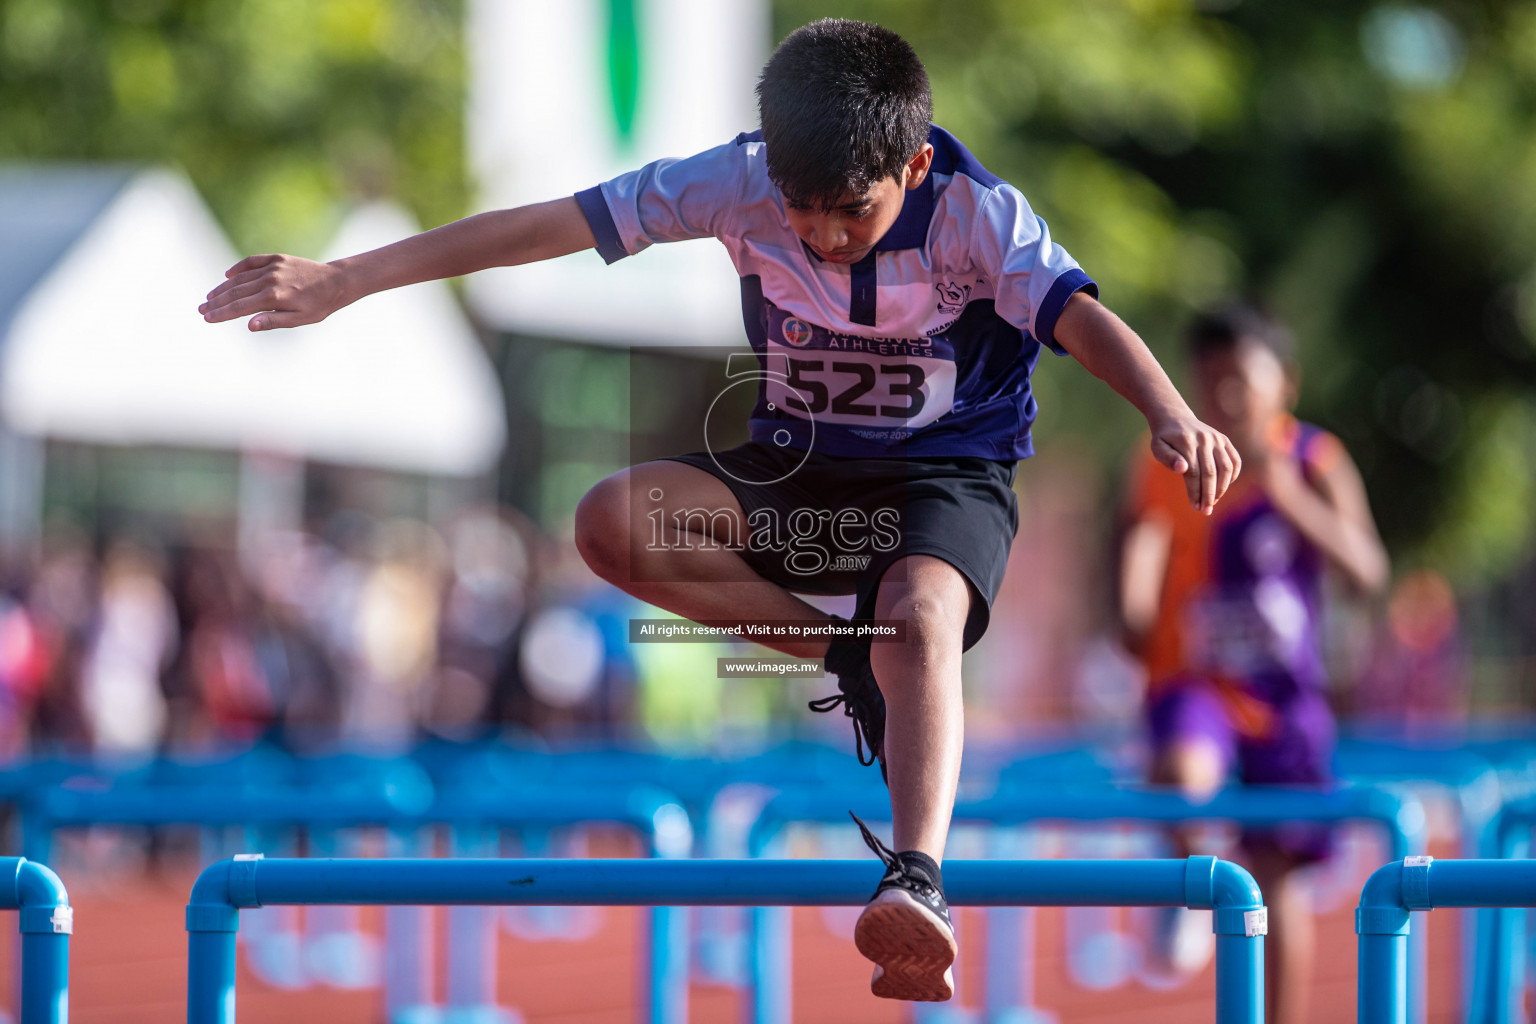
x,y
846,233
1243,389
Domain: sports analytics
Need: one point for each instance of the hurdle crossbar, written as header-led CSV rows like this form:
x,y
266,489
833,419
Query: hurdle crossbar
x,y
1400,816
1202,882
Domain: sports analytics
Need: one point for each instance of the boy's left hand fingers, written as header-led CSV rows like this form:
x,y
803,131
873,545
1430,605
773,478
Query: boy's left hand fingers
x,y
1207,455
1224,470
236,281
216,305
1192,470
1233,463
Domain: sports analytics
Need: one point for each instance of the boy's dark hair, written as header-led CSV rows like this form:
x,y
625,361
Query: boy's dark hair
x,y
844,104
1228,325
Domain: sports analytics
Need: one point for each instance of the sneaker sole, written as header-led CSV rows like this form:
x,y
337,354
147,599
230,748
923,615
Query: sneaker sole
x,y
911,946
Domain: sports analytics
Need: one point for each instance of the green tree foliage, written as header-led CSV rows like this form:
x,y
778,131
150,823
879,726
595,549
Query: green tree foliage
x,y
280,110
1367,169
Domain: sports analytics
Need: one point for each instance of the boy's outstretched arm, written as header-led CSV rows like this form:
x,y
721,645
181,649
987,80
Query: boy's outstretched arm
x,y
288,291
1116,355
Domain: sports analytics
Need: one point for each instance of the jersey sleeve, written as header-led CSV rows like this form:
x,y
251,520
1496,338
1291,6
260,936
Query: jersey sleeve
x,y
1033,276
667,200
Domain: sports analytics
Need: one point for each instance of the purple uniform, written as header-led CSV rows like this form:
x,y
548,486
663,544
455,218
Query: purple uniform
x,y
1235,656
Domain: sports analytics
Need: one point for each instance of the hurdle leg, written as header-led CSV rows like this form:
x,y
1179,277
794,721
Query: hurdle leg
x,y
769,993
1383,981
1418,973
44,978
337,951
1010,994
1010,974
408,944
45,932
666,995
1239,978
211,964
1241,922
1501,978
472,940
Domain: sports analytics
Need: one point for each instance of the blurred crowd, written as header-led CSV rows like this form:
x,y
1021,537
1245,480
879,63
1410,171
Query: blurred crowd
x,y
378,633
360,632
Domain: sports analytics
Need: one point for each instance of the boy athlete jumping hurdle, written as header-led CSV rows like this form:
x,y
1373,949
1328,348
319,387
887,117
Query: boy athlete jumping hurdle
x,y
897,296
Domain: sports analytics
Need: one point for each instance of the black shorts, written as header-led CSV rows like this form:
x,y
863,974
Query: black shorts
x,y
824,524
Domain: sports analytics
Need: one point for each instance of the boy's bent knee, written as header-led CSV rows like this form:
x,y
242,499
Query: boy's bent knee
x,y
602,527
933,603
929,620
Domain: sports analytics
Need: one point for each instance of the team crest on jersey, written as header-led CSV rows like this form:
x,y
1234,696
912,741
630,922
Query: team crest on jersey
x,y
797,332
952,297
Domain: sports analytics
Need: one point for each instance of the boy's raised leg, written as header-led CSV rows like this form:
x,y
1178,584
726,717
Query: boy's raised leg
x,y
693,572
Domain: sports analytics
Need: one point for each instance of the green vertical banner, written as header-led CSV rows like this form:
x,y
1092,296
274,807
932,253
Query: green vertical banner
x,y
624,67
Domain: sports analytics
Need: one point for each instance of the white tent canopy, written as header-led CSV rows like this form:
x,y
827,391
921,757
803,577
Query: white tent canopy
x,y
108,347
545,121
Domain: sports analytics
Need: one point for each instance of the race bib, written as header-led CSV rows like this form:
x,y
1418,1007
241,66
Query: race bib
x,y
880,388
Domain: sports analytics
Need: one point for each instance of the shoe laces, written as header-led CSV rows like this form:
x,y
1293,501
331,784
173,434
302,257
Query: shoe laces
x,y
885,853
854,710
896,872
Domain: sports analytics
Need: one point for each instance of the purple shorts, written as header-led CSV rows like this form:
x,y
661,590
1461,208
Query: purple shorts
x,y
1297,751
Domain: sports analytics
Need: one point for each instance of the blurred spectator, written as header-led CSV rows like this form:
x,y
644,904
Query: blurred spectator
x,y
62,603
222,693
25,662
363,632
398,609
1416,675
134,637
486,601
554,679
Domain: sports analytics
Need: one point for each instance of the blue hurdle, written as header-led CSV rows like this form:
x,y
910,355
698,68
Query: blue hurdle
x,y
1422,883
1501,974
1401,818
657,816
47,921
222,890
1479,788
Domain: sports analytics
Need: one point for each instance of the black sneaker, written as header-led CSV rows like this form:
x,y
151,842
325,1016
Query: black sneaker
x,y
905,929
860,697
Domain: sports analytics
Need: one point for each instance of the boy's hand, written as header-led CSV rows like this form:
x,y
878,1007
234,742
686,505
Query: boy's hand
x,y
285,291
1204,456
1112,352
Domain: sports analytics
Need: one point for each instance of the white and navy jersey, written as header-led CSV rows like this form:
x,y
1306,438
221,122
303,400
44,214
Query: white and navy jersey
x,y
921,349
